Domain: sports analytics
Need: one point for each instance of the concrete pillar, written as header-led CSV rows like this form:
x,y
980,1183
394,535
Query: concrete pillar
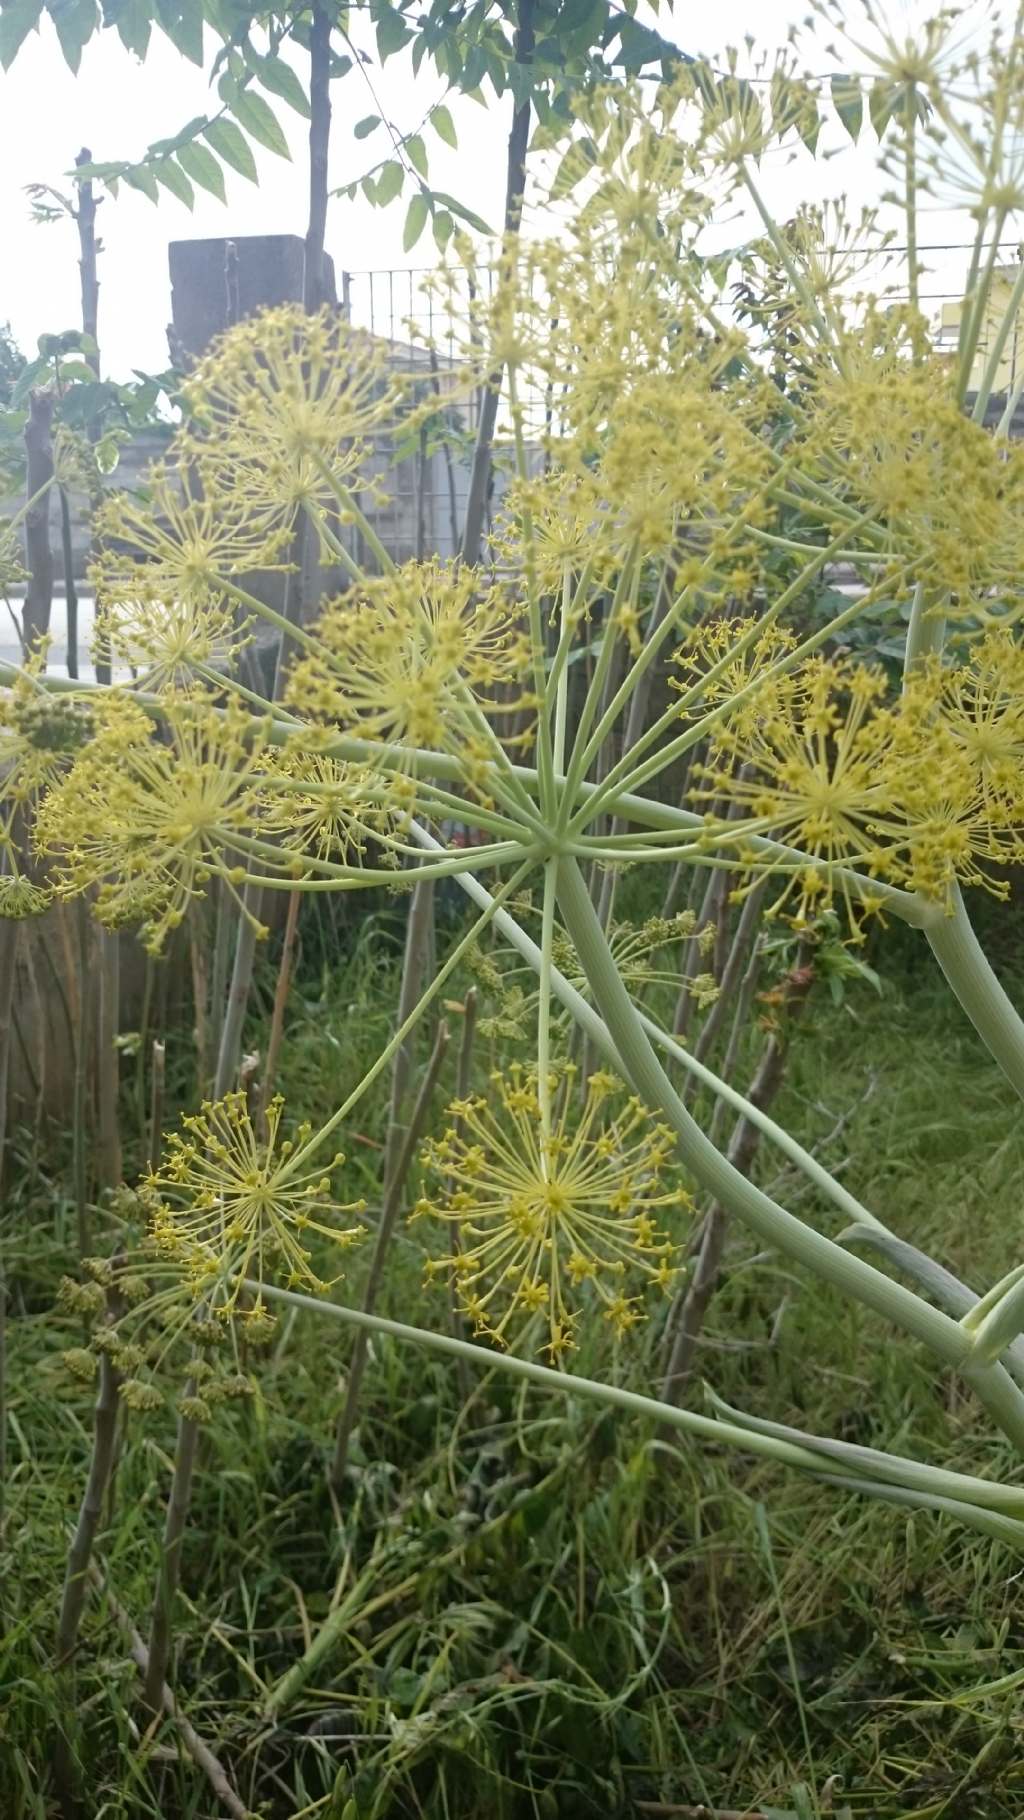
x,y
213,286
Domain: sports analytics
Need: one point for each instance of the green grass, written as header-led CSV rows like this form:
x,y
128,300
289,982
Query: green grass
x,y
550,1613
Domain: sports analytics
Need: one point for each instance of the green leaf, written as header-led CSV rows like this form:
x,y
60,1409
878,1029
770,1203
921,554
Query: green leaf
x,y
883,103
174,179
392,33
160,147
848,101
415,221
141,177
232,146
75,20
74,372
416,152
203,169
182,21
363,128
444,126
17,19
444,228
260,121
578,160
134,25
389,183
280,79
36,369
639,45
464,214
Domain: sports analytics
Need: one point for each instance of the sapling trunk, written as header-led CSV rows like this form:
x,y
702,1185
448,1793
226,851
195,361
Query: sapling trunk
x,y
281,990
156,1105
197,1748
201,996
88,250
314,285
686,1004
70,590
90,1518
515,185
301,597
463,1082
90,1513
731,973
80,1090
230,1045
108,1135
394,1186
169,1572
740,1023
8,950
38,549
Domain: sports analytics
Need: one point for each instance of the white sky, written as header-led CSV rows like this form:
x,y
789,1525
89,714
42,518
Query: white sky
x,y
117,106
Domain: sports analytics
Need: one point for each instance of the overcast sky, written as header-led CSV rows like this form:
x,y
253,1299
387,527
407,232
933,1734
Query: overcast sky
x,y
116,106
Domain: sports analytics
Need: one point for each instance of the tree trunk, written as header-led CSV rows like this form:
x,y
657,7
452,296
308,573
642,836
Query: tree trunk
x,y
515,184
89,247
314,285
38,549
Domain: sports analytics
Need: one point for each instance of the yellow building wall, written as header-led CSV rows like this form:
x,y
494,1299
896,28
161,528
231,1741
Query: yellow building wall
x,y
1011,361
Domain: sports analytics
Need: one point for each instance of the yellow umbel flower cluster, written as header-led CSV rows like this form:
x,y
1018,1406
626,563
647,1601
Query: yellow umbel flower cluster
x,y
538,1218
232,1203
145,813
177,546
920,791
282,405
312,803
888,436
167,642
413,658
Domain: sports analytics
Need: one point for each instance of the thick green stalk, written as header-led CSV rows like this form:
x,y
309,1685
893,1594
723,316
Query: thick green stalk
x,y
972,1493
822,1256
597,1032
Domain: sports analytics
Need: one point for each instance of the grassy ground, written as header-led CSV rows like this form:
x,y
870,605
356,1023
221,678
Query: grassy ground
x,y
541,1610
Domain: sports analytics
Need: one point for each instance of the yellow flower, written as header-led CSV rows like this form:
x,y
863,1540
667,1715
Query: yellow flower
x,y
167,639
406,655
175,546
981,709
284,403
537,1217
311,803
20,898
816,771
146,815
231,1203
39,734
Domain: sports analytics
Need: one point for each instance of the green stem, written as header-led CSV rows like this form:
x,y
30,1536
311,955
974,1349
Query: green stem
x,y
822,1256
979,1494
300,1157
